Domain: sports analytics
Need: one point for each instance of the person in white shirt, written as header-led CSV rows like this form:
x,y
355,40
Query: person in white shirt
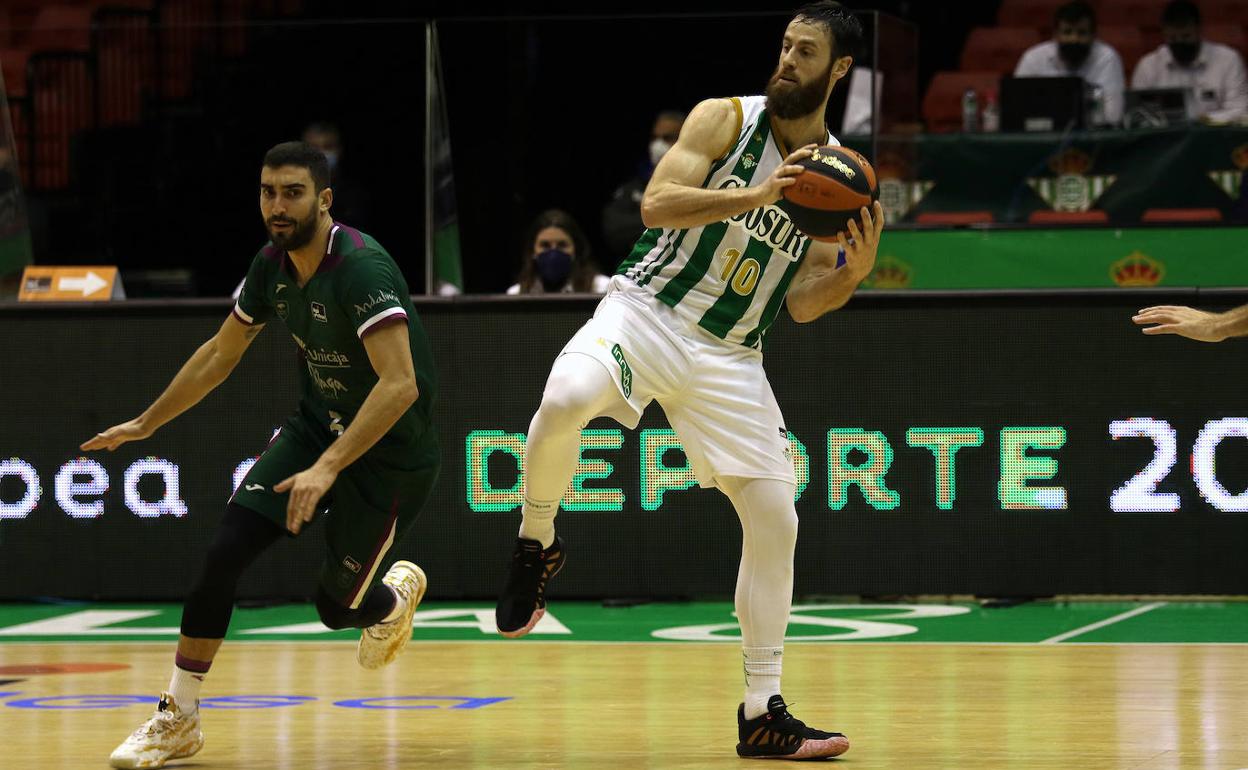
x,y
556,258
1213,73
1074,51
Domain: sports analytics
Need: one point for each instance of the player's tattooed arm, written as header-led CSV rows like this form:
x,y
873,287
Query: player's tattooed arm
x,y
1192,323
207,368
675,197
820,286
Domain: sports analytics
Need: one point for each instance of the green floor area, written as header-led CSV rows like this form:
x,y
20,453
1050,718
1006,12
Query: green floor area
x,y
1032,623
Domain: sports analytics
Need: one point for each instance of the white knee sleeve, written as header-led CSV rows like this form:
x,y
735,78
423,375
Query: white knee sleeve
x,y
764,593
578,390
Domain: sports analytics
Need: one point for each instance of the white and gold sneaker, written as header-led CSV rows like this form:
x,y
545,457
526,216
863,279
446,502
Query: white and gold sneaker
x,y
168,734
381,643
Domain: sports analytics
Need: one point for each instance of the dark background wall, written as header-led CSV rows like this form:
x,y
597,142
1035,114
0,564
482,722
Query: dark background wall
x,y
549,112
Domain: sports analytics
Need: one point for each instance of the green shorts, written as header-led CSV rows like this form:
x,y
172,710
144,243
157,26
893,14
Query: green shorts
x,y
373,502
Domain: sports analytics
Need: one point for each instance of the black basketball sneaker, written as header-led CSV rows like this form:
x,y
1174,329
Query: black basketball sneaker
x,y
777,734
523,601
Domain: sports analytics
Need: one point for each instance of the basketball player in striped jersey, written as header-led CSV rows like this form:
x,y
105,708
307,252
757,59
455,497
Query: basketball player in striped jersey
x,y
683,323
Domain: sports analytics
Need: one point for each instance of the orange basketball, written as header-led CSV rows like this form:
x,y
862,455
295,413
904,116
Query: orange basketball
x,y
836,183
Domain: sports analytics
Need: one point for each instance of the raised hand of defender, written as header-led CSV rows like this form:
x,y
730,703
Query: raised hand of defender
x,y
784,175
306,490
116,436
861,247
1183,321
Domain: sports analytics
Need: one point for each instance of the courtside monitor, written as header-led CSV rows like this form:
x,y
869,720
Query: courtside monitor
x,y
1041,104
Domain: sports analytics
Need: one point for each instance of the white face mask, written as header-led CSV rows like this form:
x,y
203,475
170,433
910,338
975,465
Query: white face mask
x,y
658,148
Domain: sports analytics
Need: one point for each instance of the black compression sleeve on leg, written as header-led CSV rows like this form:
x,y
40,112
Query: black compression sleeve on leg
x,y
242,536
376,606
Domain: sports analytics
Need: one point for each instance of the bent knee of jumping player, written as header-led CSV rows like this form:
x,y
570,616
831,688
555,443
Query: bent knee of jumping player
x,y
578,390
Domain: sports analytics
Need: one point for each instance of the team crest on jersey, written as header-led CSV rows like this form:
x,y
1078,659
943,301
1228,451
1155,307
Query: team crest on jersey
x,y
318,312
282,310
747,161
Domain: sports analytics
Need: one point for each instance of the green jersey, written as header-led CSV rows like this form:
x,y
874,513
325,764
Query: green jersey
x,y
728,277
357,290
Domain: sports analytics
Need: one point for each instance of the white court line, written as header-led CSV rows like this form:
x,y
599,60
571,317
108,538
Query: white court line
x,y
1102,623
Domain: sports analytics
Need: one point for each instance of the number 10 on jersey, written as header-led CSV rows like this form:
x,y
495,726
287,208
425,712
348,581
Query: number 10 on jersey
x,y
744,272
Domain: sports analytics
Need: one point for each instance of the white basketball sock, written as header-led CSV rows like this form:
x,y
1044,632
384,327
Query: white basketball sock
x,y
184,687
539,520
764,580
762,677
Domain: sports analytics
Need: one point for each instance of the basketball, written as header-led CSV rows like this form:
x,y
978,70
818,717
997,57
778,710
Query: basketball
x,y
836,183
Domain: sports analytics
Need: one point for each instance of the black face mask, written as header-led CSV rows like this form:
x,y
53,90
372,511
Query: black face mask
x,y
1184,53
1074,54
553,267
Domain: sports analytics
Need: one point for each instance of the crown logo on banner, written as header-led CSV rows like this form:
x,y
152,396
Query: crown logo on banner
x,y
1239,156
1071,161
1137,269
899,194
1071,188
889,273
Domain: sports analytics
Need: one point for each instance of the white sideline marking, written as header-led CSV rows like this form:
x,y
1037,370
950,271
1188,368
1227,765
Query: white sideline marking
x,y
1102,623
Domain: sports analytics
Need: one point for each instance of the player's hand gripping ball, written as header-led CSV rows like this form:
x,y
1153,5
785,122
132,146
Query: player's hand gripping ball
x,y
836,183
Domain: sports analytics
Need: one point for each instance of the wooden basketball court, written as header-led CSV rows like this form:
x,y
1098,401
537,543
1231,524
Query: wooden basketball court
x,y
641,705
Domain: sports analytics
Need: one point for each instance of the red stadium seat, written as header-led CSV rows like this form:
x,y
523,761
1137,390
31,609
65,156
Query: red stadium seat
x,y
1226,34
1224,11
1028,13
1129,13
1129,42
61,106
954,218
13,64
6,29
1181,215
125,64
997,49
185,29
1048,217
61,28
942,104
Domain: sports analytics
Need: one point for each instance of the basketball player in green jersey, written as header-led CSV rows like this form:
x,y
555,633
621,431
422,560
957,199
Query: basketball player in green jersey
x,y
683,323
360,442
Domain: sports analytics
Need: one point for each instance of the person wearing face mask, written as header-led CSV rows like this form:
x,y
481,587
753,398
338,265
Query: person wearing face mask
x,y
621,217
1075,51
350,198
1214,73
556,258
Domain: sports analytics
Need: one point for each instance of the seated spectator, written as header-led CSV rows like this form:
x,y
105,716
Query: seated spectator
x,y
1213,73
621,218
1074,51
350,197
556,258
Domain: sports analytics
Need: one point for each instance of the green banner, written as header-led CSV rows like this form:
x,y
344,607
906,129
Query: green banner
x,y
1012,176
1069,258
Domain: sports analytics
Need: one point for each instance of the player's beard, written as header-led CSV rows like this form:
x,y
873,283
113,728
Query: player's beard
x,y
298,236
788,101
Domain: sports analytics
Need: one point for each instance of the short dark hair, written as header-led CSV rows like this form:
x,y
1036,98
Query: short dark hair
x,y
841,24
1180,13
1075,12
301,155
